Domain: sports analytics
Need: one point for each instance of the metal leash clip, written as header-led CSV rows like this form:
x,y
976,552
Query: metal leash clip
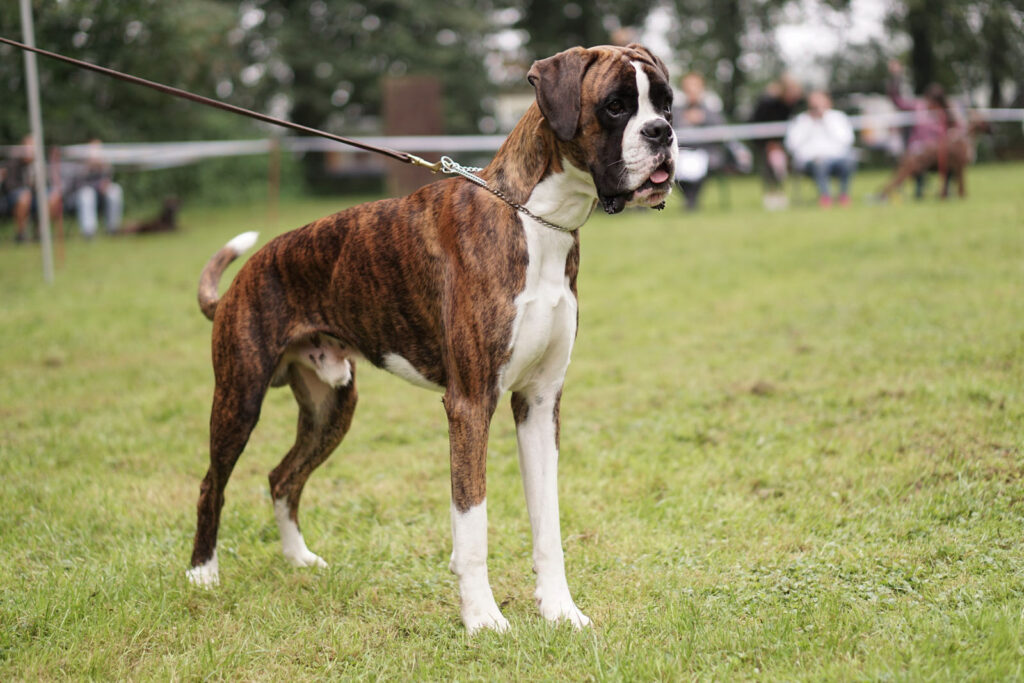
x,y
432,166
449,166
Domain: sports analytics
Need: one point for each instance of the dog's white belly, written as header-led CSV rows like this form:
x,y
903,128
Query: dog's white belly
x,y
325,357
545,324
400,367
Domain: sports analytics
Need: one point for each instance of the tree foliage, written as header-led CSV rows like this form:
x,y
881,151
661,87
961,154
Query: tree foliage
x,y
963,44
179,43
555,25
321,61
328,56
730,42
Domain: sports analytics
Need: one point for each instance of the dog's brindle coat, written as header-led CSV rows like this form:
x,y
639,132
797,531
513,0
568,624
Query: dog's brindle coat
x,y
450,288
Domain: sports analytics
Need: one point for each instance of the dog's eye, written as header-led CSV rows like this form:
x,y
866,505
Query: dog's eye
x,y
615,107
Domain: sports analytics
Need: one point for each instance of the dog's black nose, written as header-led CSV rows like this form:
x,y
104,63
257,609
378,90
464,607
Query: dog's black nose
x,y
657,130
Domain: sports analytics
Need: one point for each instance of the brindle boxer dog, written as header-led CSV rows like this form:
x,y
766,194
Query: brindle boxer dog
x,y
451,289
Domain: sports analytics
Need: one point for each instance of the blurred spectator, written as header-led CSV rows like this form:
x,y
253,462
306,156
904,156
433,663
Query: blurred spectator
x,y
97,190
821,142
19,187
5,207
697,161
933,117
625,35
776,104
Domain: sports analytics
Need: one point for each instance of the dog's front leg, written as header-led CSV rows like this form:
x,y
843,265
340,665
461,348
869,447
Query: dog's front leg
x,y
468,426
537,414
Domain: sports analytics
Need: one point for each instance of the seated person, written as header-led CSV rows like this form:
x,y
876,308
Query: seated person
x,y
821,142
95,189
776,104
699,160
19,186
5,207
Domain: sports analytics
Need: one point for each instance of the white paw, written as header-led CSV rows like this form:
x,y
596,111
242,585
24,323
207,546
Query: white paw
x,y
205,575
477,617
558,606
305,558
292,544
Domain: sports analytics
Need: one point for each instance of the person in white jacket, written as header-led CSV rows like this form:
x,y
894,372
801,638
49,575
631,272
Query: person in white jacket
x,y
821,143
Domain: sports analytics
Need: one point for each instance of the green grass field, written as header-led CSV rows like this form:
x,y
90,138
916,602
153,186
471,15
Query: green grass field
x,y
792,448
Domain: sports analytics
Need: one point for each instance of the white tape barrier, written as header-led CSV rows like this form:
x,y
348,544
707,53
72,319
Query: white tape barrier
x,y
777,129
148,155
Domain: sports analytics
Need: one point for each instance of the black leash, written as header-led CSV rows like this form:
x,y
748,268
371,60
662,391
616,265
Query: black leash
x,y
445,165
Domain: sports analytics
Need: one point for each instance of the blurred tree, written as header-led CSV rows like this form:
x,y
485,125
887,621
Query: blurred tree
x,y
859,68
963,44
555,25
322,60
179,43
728,41
1002,38
938,36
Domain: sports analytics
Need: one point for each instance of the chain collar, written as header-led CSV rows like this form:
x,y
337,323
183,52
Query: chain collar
x,y
449,166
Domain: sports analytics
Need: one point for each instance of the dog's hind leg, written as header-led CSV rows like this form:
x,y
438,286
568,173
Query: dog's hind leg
x,y
325,413
232,419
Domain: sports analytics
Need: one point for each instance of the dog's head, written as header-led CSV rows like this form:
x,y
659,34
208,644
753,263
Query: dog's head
x,y
611,111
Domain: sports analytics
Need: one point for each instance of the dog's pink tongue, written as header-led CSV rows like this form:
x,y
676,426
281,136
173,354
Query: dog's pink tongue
x,y
659,176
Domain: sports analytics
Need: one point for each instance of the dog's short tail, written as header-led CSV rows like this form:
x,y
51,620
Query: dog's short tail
x,y
215,267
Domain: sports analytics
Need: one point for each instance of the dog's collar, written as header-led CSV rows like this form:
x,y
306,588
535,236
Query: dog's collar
x,y
451,167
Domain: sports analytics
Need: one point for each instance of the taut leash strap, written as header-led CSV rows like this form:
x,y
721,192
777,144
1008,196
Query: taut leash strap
x,y
217,104
445,165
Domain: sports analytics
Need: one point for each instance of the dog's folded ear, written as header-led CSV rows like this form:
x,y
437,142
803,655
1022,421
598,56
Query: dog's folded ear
x,y
558,82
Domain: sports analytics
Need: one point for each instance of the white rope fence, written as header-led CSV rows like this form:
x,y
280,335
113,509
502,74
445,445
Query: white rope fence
x,y
157,155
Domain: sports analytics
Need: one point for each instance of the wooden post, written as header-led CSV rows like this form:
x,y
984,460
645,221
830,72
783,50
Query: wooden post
x,y
411,106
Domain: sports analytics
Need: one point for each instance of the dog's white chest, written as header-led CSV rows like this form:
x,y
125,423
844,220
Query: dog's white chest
x,y
545,324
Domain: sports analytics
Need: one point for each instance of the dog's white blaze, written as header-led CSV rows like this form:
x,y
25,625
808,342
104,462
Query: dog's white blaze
x,y
205,575
243,243
292,543
545,323
469,563
538,462
636,151
398,365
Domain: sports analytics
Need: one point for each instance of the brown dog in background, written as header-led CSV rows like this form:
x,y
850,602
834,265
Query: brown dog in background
x,y
950,157
165,221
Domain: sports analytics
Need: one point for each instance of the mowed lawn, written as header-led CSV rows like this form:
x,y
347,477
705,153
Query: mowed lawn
x,y
792,448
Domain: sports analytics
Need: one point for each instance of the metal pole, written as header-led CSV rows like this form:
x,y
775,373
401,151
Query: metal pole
x,y
36,122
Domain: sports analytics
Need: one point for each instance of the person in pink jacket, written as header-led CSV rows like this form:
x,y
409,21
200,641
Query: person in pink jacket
x,y
933,117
